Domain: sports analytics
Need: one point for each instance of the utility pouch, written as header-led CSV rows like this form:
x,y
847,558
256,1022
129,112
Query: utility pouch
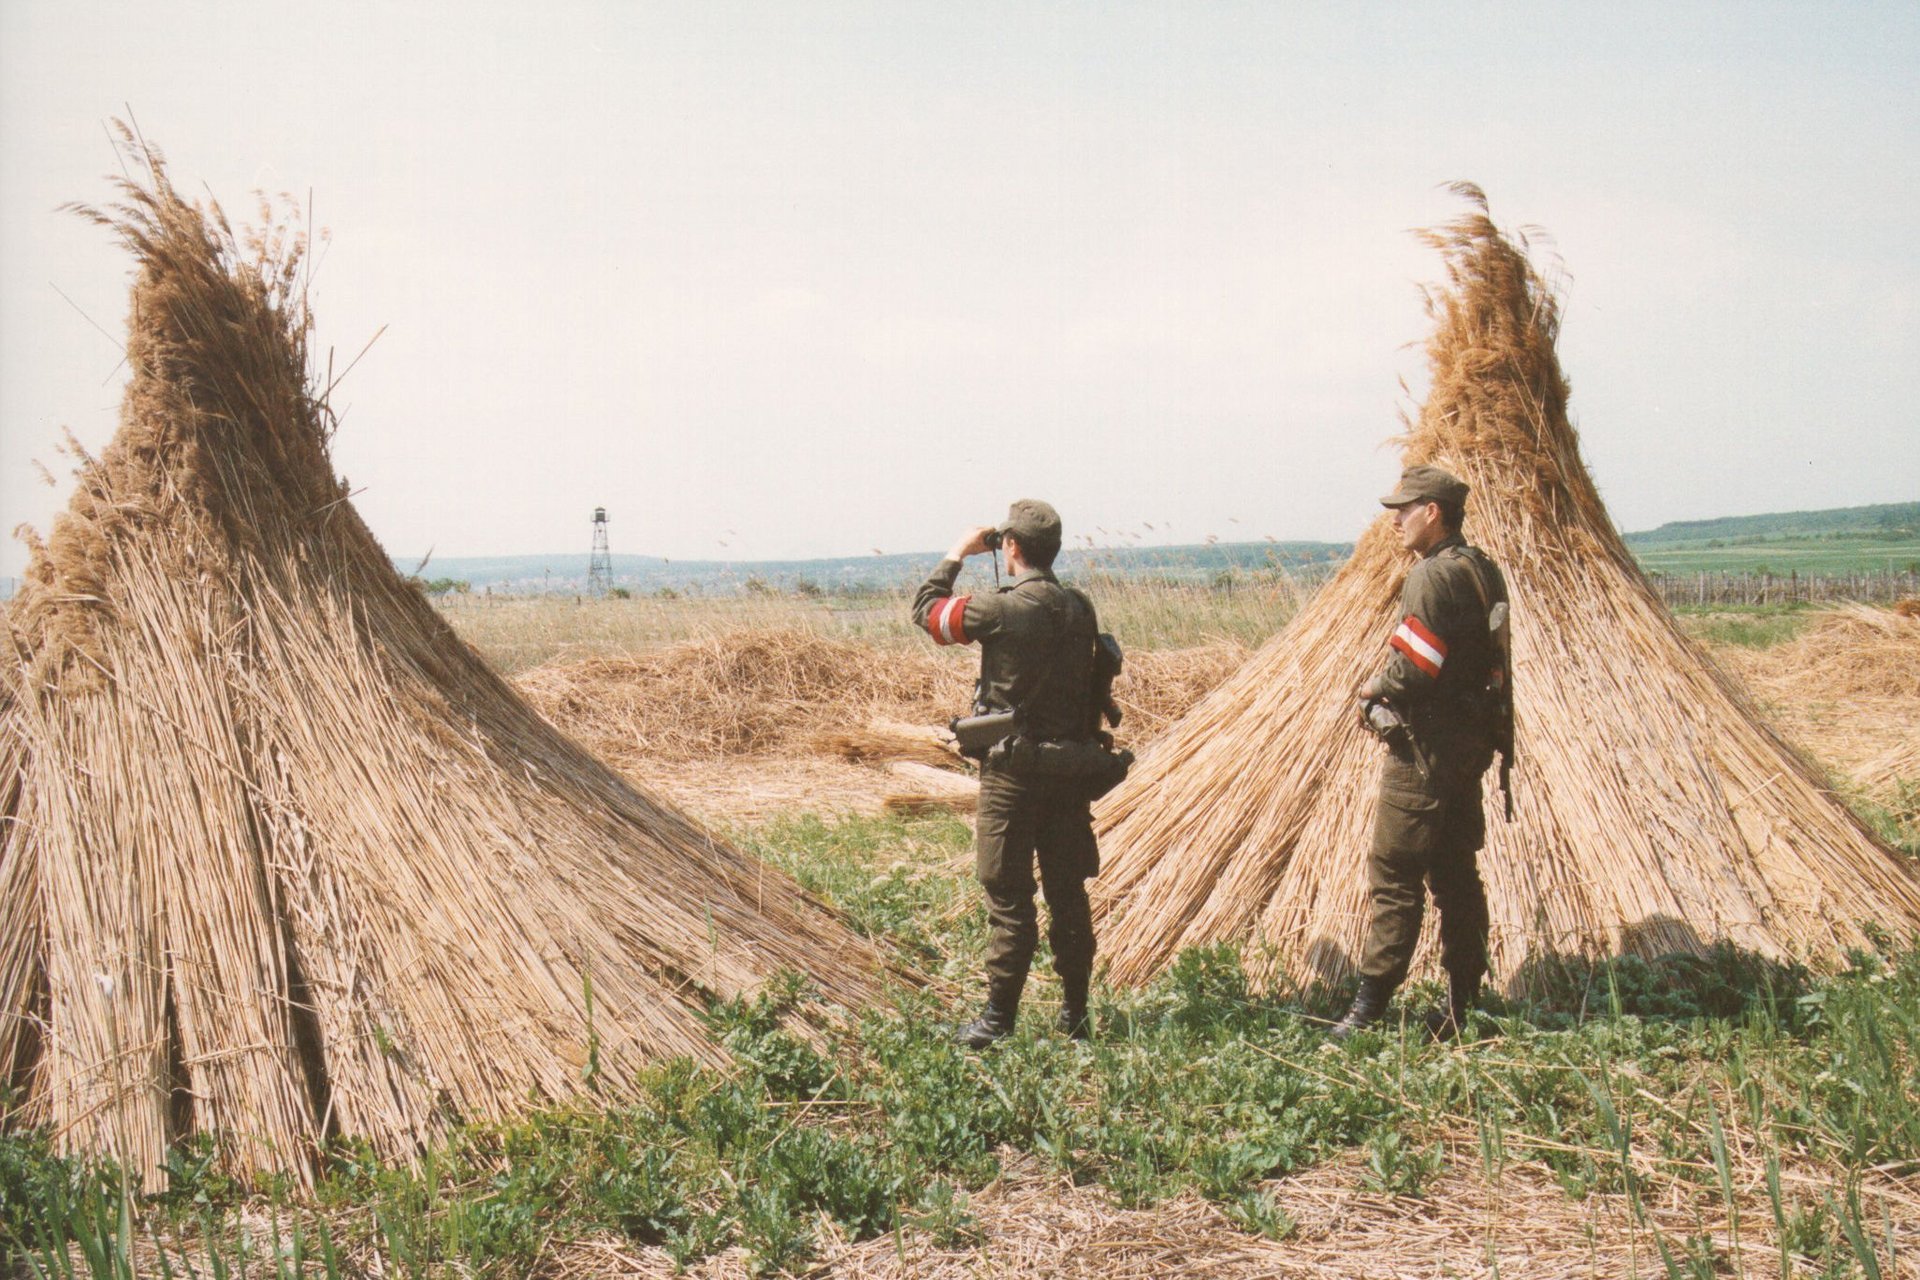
x,y
1091,768
977,735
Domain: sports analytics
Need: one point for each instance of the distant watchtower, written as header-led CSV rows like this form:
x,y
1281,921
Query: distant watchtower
x,y
600,564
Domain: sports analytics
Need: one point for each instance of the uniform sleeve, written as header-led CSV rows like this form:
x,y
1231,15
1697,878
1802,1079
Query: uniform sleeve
x,y
952,619
1417,648
934,604
986,616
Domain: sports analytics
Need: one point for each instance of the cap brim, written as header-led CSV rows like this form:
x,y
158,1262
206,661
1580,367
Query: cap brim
x,y
1399,498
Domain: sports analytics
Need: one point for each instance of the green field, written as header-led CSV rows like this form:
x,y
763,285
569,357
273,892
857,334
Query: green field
x,y
1808,557
1848,540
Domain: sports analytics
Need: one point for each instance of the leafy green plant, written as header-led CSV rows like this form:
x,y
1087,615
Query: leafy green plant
x,y
1396,1167
943,1212
1259,1213
776,1234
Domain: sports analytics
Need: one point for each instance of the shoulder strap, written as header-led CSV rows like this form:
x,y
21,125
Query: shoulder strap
x,y
1479,577
1086,600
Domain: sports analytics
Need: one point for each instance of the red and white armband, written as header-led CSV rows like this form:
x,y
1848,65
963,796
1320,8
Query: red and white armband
x,y
1424,649
947,621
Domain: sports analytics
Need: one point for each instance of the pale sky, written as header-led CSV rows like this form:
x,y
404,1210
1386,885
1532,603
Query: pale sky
x,y
809,279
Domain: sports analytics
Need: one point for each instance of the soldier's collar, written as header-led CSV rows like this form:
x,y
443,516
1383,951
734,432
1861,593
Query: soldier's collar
x,y
1045,575
1450,541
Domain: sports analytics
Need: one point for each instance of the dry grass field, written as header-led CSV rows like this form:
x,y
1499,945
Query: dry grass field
x,y
515,633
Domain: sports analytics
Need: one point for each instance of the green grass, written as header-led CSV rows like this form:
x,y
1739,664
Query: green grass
x,y
1749,626
1605,1073
1895,818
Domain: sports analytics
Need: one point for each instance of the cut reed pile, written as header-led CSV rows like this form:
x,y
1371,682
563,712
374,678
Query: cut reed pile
x,y
754,692
1854,652
283,860
1847,688
790,691
1654,810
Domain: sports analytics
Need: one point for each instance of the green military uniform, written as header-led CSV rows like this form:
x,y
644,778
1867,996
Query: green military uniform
x,y
1429,822
1037,642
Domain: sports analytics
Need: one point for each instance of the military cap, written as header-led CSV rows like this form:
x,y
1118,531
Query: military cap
x,y
1427,484
1033,522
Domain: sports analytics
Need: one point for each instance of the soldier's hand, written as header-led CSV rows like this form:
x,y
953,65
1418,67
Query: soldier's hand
x,y
972,542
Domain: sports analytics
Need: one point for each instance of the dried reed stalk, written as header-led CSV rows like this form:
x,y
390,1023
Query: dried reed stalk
x,y
881,743
282,859
934,790
1655,810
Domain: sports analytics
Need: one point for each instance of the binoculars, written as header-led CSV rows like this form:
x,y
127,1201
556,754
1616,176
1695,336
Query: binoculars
x,y
992,538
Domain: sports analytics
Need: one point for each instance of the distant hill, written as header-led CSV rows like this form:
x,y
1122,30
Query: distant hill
x,y
1894,521
644,574
1842,542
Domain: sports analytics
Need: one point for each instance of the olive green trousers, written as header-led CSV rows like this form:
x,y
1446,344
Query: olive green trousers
x,y
1021,823
1426,833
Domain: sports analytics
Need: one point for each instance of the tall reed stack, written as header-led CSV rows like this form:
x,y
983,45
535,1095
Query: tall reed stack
x,y
282,860
1654,810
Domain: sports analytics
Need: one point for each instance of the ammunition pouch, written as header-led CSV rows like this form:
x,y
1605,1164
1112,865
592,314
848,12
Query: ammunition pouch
x,y
1091,768
978,735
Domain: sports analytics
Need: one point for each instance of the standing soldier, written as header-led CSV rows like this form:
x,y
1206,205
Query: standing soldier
x,y
1036,701
1440,705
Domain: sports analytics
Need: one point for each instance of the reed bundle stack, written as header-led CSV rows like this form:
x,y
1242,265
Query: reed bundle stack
x,y
282,859
1654,810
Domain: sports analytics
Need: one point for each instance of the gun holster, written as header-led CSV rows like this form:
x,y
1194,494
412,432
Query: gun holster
x,y
977,735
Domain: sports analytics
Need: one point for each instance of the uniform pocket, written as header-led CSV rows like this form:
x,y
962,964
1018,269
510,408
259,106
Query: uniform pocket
x,y
1407,823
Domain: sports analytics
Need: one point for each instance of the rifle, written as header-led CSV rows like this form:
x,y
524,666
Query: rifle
x,y
1499,690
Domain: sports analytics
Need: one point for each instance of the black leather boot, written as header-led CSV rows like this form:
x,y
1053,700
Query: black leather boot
x,y
1369,1006
1075,1023
992,1025
1462,994
995,1021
